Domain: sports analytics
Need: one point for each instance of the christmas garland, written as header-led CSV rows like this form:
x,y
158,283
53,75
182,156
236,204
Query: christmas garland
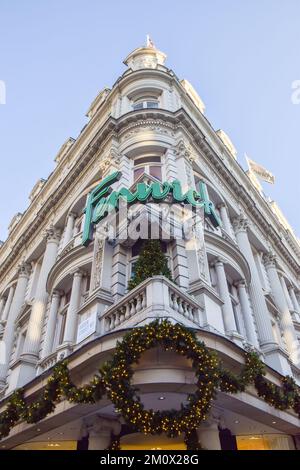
x,y
114,380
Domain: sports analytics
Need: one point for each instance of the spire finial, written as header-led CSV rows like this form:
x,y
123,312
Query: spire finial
x,y
149,42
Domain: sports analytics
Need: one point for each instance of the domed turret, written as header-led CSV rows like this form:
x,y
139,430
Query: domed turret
x,y
145,57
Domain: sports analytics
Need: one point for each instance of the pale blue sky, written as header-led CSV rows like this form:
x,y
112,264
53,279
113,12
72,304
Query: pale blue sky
x,y
241,55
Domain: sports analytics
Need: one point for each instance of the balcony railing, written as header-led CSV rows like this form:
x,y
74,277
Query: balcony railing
x,y
154,298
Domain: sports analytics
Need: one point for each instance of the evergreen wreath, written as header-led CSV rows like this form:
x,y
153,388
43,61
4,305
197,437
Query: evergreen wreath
x,y
118,374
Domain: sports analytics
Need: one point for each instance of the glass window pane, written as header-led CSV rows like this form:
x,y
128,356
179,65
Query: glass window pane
x,y
150,159
138,172
138,106
152,104
156,172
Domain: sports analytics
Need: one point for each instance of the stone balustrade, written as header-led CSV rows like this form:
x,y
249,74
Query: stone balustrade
x,y
154,298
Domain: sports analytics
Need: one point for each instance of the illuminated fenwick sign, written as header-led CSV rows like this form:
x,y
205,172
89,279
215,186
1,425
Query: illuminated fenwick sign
x,y
102,200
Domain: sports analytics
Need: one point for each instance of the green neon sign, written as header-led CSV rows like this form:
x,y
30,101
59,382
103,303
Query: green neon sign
x,y
103,200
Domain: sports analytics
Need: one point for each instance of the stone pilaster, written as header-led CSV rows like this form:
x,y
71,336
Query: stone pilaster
x,y
294,300
2,304
263,321
16,305
181,274
119,268
69,228
51,323
286,293
72,313
6,309
228,315
288,329
247,313
225,219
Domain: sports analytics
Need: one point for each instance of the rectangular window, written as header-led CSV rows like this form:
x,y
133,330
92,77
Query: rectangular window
x,y
62,327
152,104
138,172
143,160
156,172
138,106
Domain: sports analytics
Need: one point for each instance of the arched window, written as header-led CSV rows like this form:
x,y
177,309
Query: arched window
x,y
144,103
150,165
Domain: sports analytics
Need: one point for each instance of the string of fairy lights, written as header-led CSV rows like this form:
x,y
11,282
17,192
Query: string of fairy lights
x,y
114,380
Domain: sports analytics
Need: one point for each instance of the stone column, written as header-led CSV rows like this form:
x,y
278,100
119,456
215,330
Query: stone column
x,y
2,304
228,315
69,228
51,323
5,309
288,329
262,317
225,219
294,300
16,305
286,294
8,304
208,434
100,431
247,313
71,319
34,331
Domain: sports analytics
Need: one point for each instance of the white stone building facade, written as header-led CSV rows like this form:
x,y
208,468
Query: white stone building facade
x,y
61,299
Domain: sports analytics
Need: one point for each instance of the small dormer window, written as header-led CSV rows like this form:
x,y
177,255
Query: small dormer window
x,y
150,165
143,104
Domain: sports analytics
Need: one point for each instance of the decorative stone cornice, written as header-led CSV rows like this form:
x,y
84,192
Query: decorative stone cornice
x,y
236,183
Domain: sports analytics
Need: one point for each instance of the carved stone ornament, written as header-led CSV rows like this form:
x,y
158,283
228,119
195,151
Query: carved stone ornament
x,y
52,234
24,269
97,264
269,259
240,223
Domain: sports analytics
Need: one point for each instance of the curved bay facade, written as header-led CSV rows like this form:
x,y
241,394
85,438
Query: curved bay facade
x,y
238,288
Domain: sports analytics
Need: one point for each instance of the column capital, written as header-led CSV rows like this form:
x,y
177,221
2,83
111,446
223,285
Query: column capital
x,y
72,214
182,149
293,289
24,269
240,283
269,259
52,234
218,262
56,293
78,273
221,204
240,223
